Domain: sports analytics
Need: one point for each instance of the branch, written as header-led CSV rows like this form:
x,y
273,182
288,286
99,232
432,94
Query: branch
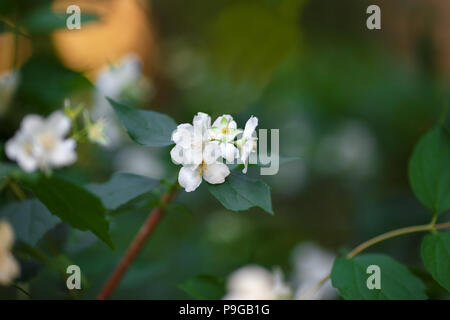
x,y
138,243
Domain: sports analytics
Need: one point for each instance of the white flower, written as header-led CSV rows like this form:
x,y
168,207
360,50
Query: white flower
x,y
40,143
225,130
257,283
9,268
213,172
8,85
312,264
247,144
198,154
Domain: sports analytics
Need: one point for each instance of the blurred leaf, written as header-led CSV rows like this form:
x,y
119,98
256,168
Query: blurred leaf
x,y
350,276
145,127
436,257
6,169
30,220
73,204
239,193
429,170
121,188
250,40
204,287
45,20
45,83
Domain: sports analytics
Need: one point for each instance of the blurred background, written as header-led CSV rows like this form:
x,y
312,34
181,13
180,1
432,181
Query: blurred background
x,y
351,102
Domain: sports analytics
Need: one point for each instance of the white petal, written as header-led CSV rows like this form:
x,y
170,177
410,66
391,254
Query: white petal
x,y
64,153
177,154
189,179
183,135
229,152
58,123
16,149
215,173
232,124
27,163
31,124
250,127
12,148
211,152
202,120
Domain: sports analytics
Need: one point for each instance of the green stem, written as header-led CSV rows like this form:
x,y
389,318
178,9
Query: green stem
x,y
17,191
22,290
395,233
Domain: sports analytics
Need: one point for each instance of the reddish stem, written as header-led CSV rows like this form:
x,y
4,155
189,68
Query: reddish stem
x,y
137,244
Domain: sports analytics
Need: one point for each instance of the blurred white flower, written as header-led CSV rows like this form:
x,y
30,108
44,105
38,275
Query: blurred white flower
x,y
352,148
311,265
123,81
9,268
254,282
8,85
140,160
247,144
40,143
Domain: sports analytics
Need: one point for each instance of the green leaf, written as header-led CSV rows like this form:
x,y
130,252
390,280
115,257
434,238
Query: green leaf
x,y
239,193
349,277
436,257
72,203
121,188
39,96
149,128
429,170
204,287
30,220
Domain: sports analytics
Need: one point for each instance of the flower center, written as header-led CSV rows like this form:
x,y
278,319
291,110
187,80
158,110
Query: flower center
x,y
28,148
47,140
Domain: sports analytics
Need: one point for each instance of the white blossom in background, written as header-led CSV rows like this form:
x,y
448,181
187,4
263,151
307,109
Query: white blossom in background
x,y
8,85
201,148
9,268
254,282
41,144
200,157
353,148
311,265
120,81
140,160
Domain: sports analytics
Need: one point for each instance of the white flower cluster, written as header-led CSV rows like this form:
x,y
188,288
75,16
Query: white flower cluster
x,y
9,268
41,144
201,148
